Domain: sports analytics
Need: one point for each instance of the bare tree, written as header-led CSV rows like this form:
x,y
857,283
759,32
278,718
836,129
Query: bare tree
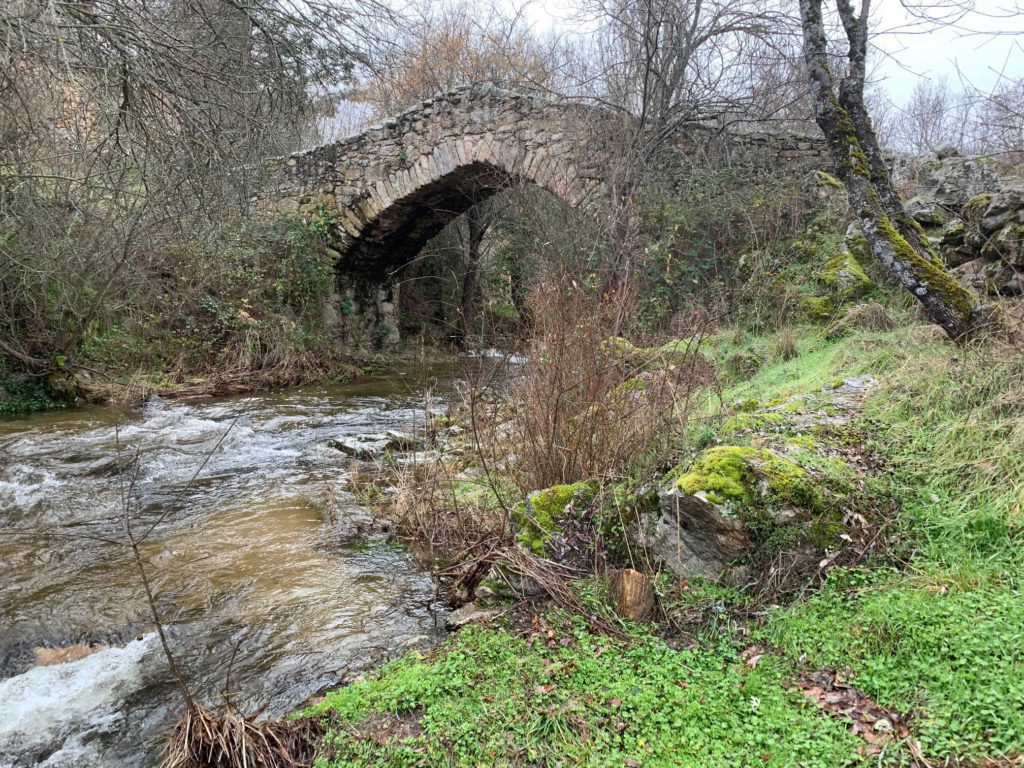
x,y
1000,120
895,238
933,116
457,43
128,127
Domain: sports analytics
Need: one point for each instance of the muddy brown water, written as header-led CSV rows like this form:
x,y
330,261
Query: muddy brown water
x,y
247,567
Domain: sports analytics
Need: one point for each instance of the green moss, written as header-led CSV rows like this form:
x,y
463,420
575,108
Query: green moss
x,y
803,442
538,518
818,309
725,473
619,348
745,475
754,422
974,210
827,180
936,278
748,405
845,277
953,233
854,153
858,246
1005,243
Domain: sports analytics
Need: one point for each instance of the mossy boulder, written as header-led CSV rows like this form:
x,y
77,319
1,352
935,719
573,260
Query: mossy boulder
x,y
959,244
539,517
857,244
925,212
1004,208
743,365
720,510
844,277
1007,245
738,478
818,309
953,234
974,210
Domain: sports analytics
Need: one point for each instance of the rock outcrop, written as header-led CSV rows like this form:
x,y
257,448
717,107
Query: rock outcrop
x,y
974,216
712,515
985,243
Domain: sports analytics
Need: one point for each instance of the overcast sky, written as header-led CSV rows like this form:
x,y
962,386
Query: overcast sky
x,y
911,50
951,51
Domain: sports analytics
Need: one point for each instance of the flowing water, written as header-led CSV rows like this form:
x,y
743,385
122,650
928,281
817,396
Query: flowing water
x,y
262,600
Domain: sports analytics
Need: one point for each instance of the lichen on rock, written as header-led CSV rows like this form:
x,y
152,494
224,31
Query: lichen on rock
x,y
720,510
539,516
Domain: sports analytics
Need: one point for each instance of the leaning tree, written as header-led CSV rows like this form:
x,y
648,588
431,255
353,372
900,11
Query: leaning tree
x,y
896,240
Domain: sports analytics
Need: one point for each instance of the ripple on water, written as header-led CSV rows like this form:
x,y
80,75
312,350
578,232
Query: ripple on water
x,y
245,565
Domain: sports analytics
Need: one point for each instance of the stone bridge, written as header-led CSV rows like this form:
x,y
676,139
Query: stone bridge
x,y
392,188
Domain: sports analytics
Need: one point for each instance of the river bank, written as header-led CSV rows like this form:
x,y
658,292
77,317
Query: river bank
x,y
899,644
22,394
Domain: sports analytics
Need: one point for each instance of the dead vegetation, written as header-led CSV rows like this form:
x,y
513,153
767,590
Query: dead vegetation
x,y
201,739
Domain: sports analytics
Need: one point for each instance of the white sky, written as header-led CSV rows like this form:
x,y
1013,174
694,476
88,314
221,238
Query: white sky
x,y
912,50
998,47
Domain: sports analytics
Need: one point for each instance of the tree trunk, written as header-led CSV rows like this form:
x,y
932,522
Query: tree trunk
x,y
477,227
851,98
631,594
897,243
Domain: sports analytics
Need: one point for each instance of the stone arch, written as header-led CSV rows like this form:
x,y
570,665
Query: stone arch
x,y
404,209
387,191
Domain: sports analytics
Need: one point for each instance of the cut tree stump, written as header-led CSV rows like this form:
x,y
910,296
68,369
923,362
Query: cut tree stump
x,y
631,594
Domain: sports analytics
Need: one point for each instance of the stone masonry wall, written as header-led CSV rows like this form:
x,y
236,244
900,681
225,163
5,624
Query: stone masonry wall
x,y
391,188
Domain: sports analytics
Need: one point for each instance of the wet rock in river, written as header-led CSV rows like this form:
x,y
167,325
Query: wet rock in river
x,y
375,445
46,657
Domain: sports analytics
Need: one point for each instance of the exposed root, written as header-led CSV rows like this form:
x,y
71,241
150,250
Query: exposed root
x,y
201,739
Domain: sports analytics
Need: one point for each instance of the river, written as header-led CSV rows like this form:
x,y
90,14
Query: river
x,y
264,596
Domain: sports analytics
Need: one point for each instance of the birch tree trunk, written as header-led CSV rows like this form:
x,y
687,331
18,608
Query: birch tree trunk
x,y
896,240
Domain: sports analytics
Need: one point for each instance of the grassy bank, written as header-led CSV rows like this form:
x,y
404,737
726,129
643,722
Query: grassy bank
x,y
924,639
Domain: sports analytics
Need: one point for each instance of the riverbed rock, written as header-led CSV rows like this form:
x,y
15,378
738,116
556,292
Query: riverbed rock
x,y
375,445
46,657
